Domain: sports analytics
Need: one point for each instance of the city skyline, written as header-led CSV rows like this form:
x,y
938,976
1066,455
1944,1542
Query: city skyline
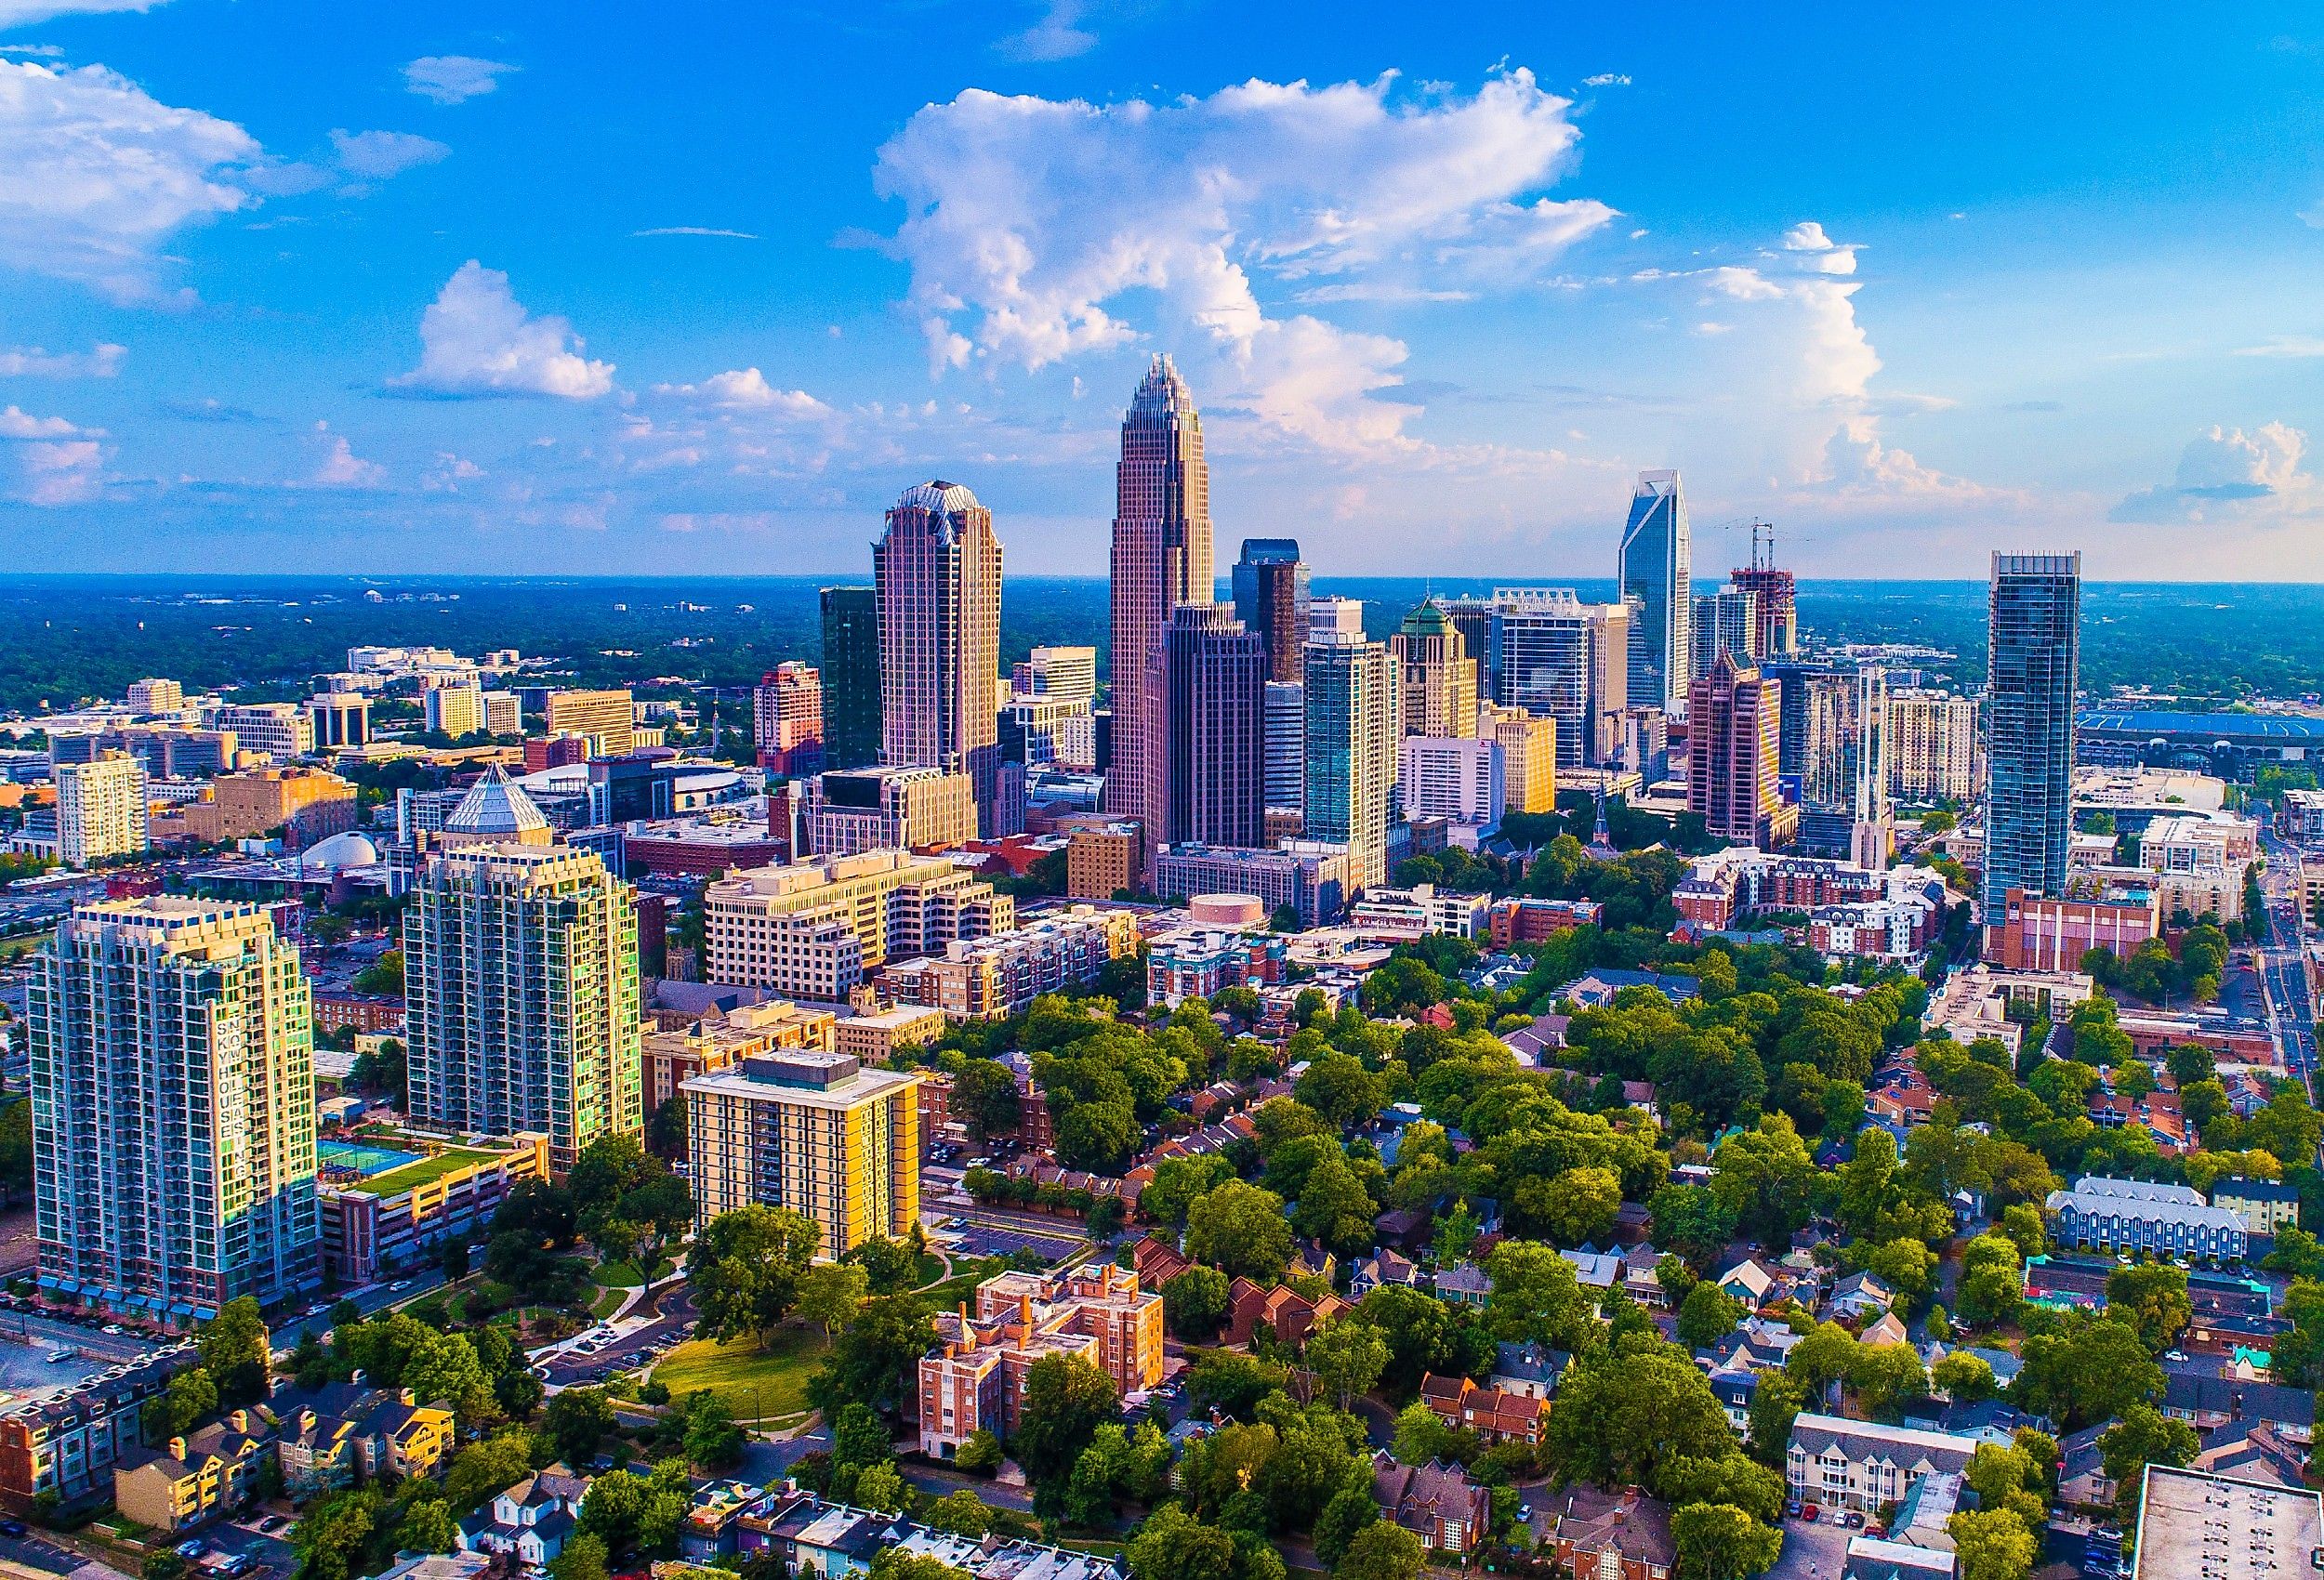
x,y
358,301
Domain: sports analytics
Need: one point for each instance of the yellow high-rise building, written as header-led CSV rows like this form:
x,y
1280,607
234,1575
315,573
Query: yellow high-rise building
x,y
1528,756
608,720
812,1131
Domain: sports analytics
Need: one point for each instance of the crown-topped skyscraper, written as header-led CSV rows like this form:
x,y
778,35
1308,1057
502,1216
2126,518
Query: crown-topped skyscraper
x,y
1161,559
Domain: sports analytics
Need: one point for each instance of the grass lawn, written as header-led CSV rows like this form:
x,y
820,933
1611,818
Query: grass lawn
x,y
451,1161
963,1284
617,1275
608,1301
757,1383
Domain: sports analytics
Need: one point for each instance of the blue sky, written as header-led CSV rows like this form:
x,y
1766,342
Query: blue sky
x,y
532,287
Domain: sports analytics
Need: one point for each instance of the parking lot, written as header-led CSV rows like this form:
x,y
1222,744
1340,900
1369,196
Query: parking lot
x,y
1812,1552
997,1237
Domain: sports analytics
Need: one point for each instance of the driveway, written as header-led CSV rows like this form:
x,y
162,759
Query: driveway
x,y
1812,1552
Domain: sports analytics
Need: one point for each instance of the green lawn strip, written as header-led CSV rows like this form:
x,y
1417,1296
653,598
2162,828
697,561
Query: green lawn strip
x,y
617,1275
756,1383
608,1301
404,1177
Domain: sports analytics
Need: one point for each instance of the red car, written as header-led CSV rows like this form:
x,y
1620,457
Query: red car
x,y
1809,1511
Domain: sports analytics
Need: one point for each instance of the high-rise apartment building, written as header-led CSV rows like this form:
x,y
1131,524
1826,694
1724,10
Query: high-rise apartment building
x,y
1726,621
456,709
938,570
851,729
1832,729
811,930
1438,674
2033,659
606,718
521,1006
1655,571
1333,616
1932,746
100,809
787,719
339,718
1214,682
280,729
812,1131
156,695
173,1098
1528,756
884,808
504,714
1477,620
1458,780
1271,598
1354,714
1873,833
1731,759
1560,658
1161,559
1286,744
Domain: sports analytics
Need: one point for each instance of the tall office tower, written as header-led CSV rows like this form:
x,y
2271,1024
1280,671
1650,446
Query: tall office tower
x,y
457,710
101,808
1286,744
1060,674
2033,656
606,718
1161,559
521,995
1271,598
851,677
1560,658
812,1131
1731,759
1932,746
1476,619
1439,678
937,569
1726,621
1795,677
1832,728
172,1087
1528,756
1214,687
1328,617
1872,835
341,718
1655,575
786,720
1353,727
155,695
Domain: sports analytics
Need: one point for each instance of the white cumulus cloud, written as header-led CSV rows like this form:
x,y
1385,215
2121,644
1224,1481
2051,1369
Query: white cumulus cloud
x,y
62,471
452,79
17,423
1059,35
476,338
101,360
2226,474
1038,229
1825,255
18,13
382,154
747,387
340,467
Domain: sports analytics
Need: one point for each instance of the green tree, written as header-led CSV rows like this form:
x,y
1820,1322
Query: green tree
x,y
1240,1229
16,1152
1173,1544
1707,1315
161,1565
746,1268
1534,1296
1066,1399
330,1536
1335,1208
191,1398
1382,1551
1195,1302
426,1528
2144,1436
1965,1378
881,1487
1991,1545
1693,1221
2085,1371
830,1294
583,1559
1350,1510
1578,1207
713,1440
1347,1357
576,1422
981,1455
2151,1297
1718,1541
962,1513
1421,1435
237,1352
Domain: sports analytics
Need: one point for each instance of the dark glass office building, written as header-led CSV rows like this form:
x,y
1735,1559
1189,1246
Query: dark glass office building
x,y
851,677
2034,655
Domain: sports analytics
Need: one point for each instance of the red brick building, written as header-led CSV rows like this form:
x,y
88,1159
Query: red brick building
x,y
2037,933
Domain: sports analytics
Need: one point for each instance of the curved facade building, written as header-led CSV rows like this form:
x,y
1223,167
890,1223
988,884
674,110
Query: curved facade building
x,y
937,570
1657,575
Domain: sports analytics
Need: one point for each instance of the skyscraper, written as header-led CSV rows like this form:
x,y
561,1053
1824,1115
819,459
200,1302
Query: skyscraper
x,y
101,808
1271,597
1161,559
1872,837
1726,621
1353,714
2033,657
1564,659
173,1097
786,720
1932,746
1655,574
1439,678
1214,704
1731,759
938,570
851,671
1286,744
813,1131
520,983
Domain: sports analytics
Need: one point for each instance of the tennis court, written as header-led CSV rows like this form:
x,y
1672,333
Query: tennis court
x,y
361,1158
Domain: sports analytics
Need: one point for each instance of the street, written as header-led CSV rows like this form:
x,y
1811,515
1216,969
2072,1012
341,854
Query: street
x,y
2282,966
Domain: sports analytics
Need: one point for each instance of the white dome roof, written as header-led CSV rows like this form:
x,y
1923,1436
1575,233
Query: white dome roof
x,y
341,851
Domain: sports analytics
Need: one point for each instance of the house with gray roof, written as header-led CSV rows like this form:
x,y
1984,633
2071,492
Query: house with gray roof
x,y
1861,1465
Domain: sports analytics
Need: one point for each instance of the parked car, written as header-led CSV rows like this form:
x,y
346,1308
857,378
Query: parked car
x,y
272,1523
12,1527
1808,1512
189,1549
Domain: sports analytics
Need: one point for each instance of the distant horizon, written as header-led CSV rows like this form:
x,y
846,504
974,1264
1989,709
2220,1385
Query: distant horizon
x,y
838,578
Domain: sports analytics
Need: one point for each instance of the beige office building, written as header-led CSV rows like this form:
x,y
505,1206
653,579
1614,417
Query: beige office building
x,y
456,709
885,808
607,718
282,731
1932,746
815,929
1439,675
100,809
1528,756
156,695
812,1131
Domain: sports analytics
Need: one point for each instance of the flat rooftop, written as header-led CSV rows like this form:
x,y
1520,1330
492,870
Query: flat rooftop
x,y
2194,1526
